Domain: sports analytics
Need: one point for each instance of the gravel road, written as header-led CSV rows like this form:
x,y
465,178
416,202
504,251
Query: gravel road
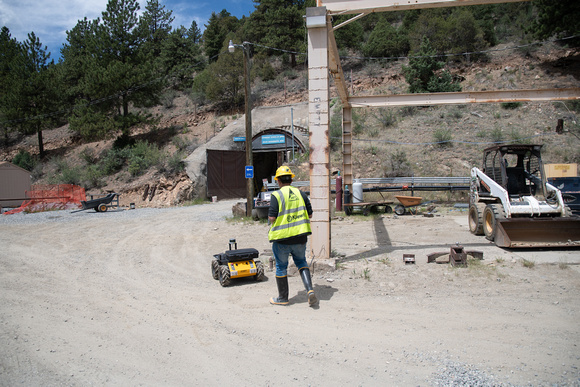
x,y
127,298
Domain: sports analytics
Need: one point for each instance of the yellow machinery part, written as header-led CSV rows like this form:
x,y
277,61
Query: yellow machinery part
x,y
242,269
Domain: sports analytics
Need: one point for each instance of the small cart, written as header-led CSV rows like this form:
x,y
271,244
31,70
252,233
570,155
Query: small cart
x,y
100,204
368,207
407,202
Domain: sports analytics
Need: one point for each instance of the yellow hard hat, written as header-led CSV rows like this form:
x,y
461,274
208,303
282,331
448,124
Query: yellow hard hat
x,y
284,171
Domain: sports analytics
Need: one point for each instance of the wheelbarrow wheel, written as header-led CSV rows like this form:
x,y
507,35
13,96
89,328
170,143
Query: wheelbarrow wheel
x,y
102,207
400,209
388,209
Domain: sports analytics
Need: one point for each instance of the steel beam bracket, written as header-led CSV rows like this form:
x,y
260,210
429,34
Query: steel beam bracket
x,y
457,256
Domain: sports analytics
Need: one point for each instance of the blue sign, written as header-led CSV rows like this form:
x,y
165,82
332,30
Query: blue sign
x,y
269,139
239,139
249,172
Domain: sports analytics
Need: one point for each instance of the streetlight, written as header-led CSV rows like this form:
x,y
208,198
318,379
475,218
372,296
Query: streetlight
x,y
248,98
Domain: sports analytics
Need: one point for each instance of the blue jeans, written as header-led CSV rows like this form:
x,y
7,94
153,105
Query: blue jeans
x,y
281,253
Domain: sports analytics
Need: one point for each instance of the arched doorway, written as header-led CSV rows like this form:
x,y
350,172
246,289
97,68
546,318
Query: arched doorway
x,y
274,147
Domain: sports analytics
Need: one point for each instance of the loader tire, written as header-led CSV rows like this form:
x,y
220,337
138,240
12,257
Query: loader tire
x,y
224,276
215,268
491,214
476,218
260,271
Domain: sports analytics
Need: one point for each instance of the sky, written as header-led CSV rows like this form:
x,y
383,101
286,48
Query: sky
x,y
50,19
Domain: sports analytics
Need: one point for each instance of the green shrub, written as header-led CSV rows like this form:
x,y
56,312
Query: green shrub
x,y
113,160
358,122
65,173
510,105
142,156
408,111
443,137
496,135
175,163
168,97
267,72
397,164
88,156
93,177
386,117
24,160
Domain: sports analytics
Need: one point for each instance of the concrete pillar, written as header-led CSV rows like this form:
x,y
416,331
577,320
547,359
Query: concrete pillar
x,y
319,120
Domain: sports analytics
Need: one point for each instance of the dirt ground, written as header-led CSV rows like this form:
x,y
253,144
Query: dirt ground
x,y
127,298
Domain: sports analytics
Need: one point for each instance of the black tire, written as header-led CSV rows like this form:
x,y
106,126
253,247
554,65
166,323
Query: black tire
x,y
388,209
102,207
224,276
260,271
491,214
215,267
400,209
476,218
348,210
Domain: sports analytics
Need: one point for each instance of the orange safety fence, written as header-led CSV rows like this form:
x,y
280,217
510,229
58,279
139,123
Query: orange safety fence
x,y
49,197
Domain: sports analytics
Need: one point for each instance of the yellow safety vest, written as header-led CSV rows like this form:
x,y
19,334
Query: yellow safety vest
x,y
293,219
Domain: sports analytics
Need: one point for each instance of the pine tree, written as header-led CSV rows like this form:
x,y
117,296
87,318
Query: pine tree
x,y
155,26
218,27
423,73
11,78
560,18
180,57
386,41
113,68
279,24
37,97
194,33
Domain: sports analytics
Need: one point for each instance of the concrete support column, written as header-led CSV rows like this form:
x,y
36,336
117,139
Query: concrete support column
x,y
318,120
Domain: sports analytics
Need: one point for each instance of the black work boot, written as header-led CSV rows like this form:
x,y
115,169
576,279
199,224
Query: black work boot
x,y
305,274
282,298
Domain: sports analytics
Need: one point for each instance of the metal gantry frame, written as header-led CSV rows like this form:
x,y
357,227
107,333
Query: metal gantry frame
x,y
323,60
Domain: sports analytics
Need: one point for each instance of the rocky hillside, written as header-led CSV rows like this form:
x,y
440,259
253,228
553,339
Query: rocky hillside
x,y
388,141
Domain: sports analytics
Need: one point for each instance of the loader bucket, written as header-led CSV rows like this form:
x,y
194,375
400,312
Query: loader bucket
x,y
538,232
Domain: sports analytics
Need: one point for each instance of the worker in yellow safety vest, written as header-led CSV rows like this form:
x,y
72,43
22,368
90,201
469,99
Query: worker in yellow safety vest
x,y
289,216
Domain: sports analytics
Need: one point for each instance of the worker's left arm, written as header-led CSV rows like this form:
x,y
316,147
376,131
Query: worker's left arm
x,y
307,204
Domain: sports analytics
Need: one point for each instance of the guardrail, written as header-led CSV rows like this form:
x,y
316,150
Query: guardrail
x,y
411,182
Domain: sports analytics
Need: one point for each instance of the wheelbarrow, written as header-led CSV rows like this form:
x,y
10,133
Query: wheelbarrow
x,y
100,204
407,202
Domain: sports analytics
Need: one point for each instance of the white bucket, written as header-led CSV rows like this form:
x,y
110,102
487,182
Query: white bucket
x,y
214,199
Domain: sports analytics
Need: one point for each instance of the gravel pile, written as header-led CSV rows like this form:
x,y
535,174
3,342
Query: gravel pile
x,y
453,374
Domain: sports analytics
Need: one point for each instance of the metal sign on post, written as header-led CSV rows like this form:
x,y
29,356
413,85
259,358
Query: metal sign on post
x,y
249,172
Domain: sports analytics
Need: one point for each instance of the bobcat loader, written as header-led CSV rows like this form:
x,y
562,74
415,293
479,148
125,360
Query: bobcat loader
x,y
511,203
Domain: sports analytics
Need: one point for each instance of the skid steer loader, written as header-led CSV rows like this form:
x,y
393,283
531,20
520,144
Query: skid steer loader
x,y
511,203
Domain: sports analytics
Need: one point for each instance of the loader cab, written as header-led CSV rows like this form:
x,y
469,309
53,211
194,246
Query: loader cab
x,y
517,168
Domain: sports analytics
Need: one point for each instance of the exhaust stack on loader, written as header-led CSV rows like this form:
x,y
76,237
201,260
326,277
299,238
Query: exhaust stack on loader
x,y
511,203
